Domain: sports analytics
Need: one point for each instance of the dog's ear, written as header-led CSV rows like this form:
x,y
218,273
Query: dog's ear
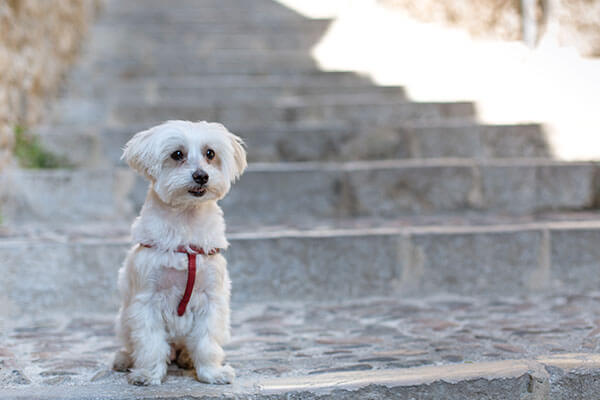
x,y
140,155
239,155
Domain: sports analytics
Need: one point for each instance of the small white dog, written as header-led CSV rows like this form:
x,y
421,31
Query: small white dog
x,y
174,284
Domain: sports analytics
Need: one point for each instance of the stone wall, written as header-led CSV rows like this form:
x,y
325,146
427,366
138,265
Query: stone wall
x,y
579,20
38,41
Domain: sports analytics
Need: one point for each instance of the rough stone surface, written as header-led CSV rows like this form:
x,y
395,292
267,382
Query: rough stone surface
x,y
383,339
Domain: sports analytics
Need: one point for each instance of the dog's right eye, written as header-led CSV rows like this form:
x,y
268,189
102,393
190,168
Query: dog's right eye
x,y
177,155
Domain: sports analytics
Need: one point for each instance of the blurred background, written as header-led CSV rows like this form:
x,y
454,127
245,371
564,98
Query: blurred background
x,y
521,61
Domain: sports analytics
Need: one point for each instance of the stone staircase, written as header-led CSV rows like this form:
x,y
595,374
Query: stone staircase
x,y
380,247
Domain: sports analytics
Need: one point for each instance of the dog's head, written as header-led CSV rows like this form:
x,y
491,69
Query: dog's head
x,y
187,161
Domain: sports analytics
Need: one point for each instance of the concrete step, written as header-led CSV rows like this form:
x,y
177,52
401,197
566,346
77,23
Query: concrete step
x,y
194,37
161,57
276,94
201,13
382,113
435,347
102,146
356,142
326,261
85,109
81,84
274,193
130,66
155,24
405,187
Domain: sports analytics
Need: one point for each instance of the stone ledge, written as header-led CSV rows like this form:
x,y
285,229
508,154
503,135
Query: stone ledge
x,y
537,378
327,262
272,192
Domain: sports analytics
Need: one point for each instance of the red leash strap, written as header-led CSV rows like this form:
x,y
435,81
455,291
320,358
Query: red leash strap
x,y
191,278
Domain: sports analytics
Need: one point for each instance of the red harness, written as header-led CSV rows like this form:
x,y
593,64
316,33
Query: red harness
x,y
191,278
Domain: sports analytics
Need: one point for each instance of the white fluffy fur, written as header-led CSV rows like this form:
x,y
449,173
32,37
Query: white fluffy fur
x,y
152,280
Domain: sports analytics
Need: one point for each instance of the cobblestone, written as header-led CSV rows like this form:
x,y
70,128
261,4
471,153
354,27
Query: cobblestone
x,y
295,339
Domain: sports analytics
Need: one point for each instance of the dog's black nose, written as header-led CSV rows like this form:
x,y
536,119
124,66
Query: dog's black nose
x,y
200,177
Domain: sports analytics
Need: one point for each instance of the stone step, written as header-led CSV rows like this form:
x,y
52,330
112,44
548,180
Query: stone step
x,y
184,42
81,83
88,109
155,25
187,37
161,57
356,142
405,187
436,347
102,146
130,66
200,15
326,261
382,113
318,78
275,193
276,94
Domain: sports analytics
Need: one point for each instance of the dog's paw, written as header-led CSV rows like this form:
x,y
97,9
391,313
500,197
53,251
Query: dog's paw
x,y
216,375
122,361
142,378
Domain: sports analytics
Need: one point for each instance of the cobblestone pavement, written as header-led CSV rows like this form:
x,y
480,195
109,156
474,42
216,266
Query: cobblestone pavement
x,y
290,339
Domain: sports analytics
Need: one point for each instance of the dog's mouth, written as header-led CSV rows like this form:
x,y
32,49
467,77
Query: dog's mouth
x,y
197,192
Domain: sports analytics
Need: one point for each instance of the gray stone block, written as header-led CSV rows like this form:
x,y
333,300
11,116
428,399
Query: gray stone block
x,y
467,262
527,185
566,186
506,141
325,266
479,141
326,143
445,141
410,189
54,196
66,277
509,188
289,192
575,257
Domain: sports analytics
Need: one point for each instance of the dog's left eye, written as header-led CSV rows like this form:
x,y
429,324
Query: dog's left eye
x,y
210,154
177,155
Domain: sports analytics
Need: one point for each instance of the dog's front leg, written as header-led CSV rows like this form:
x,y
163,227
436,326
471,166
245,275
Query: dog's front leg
x,y
150,348
208,356
204,343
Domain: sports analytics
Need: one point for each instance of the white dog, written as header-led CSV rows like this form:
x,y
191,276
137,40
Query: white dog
x,y
167,313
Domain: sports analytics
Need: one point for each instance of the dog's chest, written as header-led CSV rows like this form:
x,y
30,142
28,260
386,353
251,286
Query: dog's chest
x,y
171,278
175,280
